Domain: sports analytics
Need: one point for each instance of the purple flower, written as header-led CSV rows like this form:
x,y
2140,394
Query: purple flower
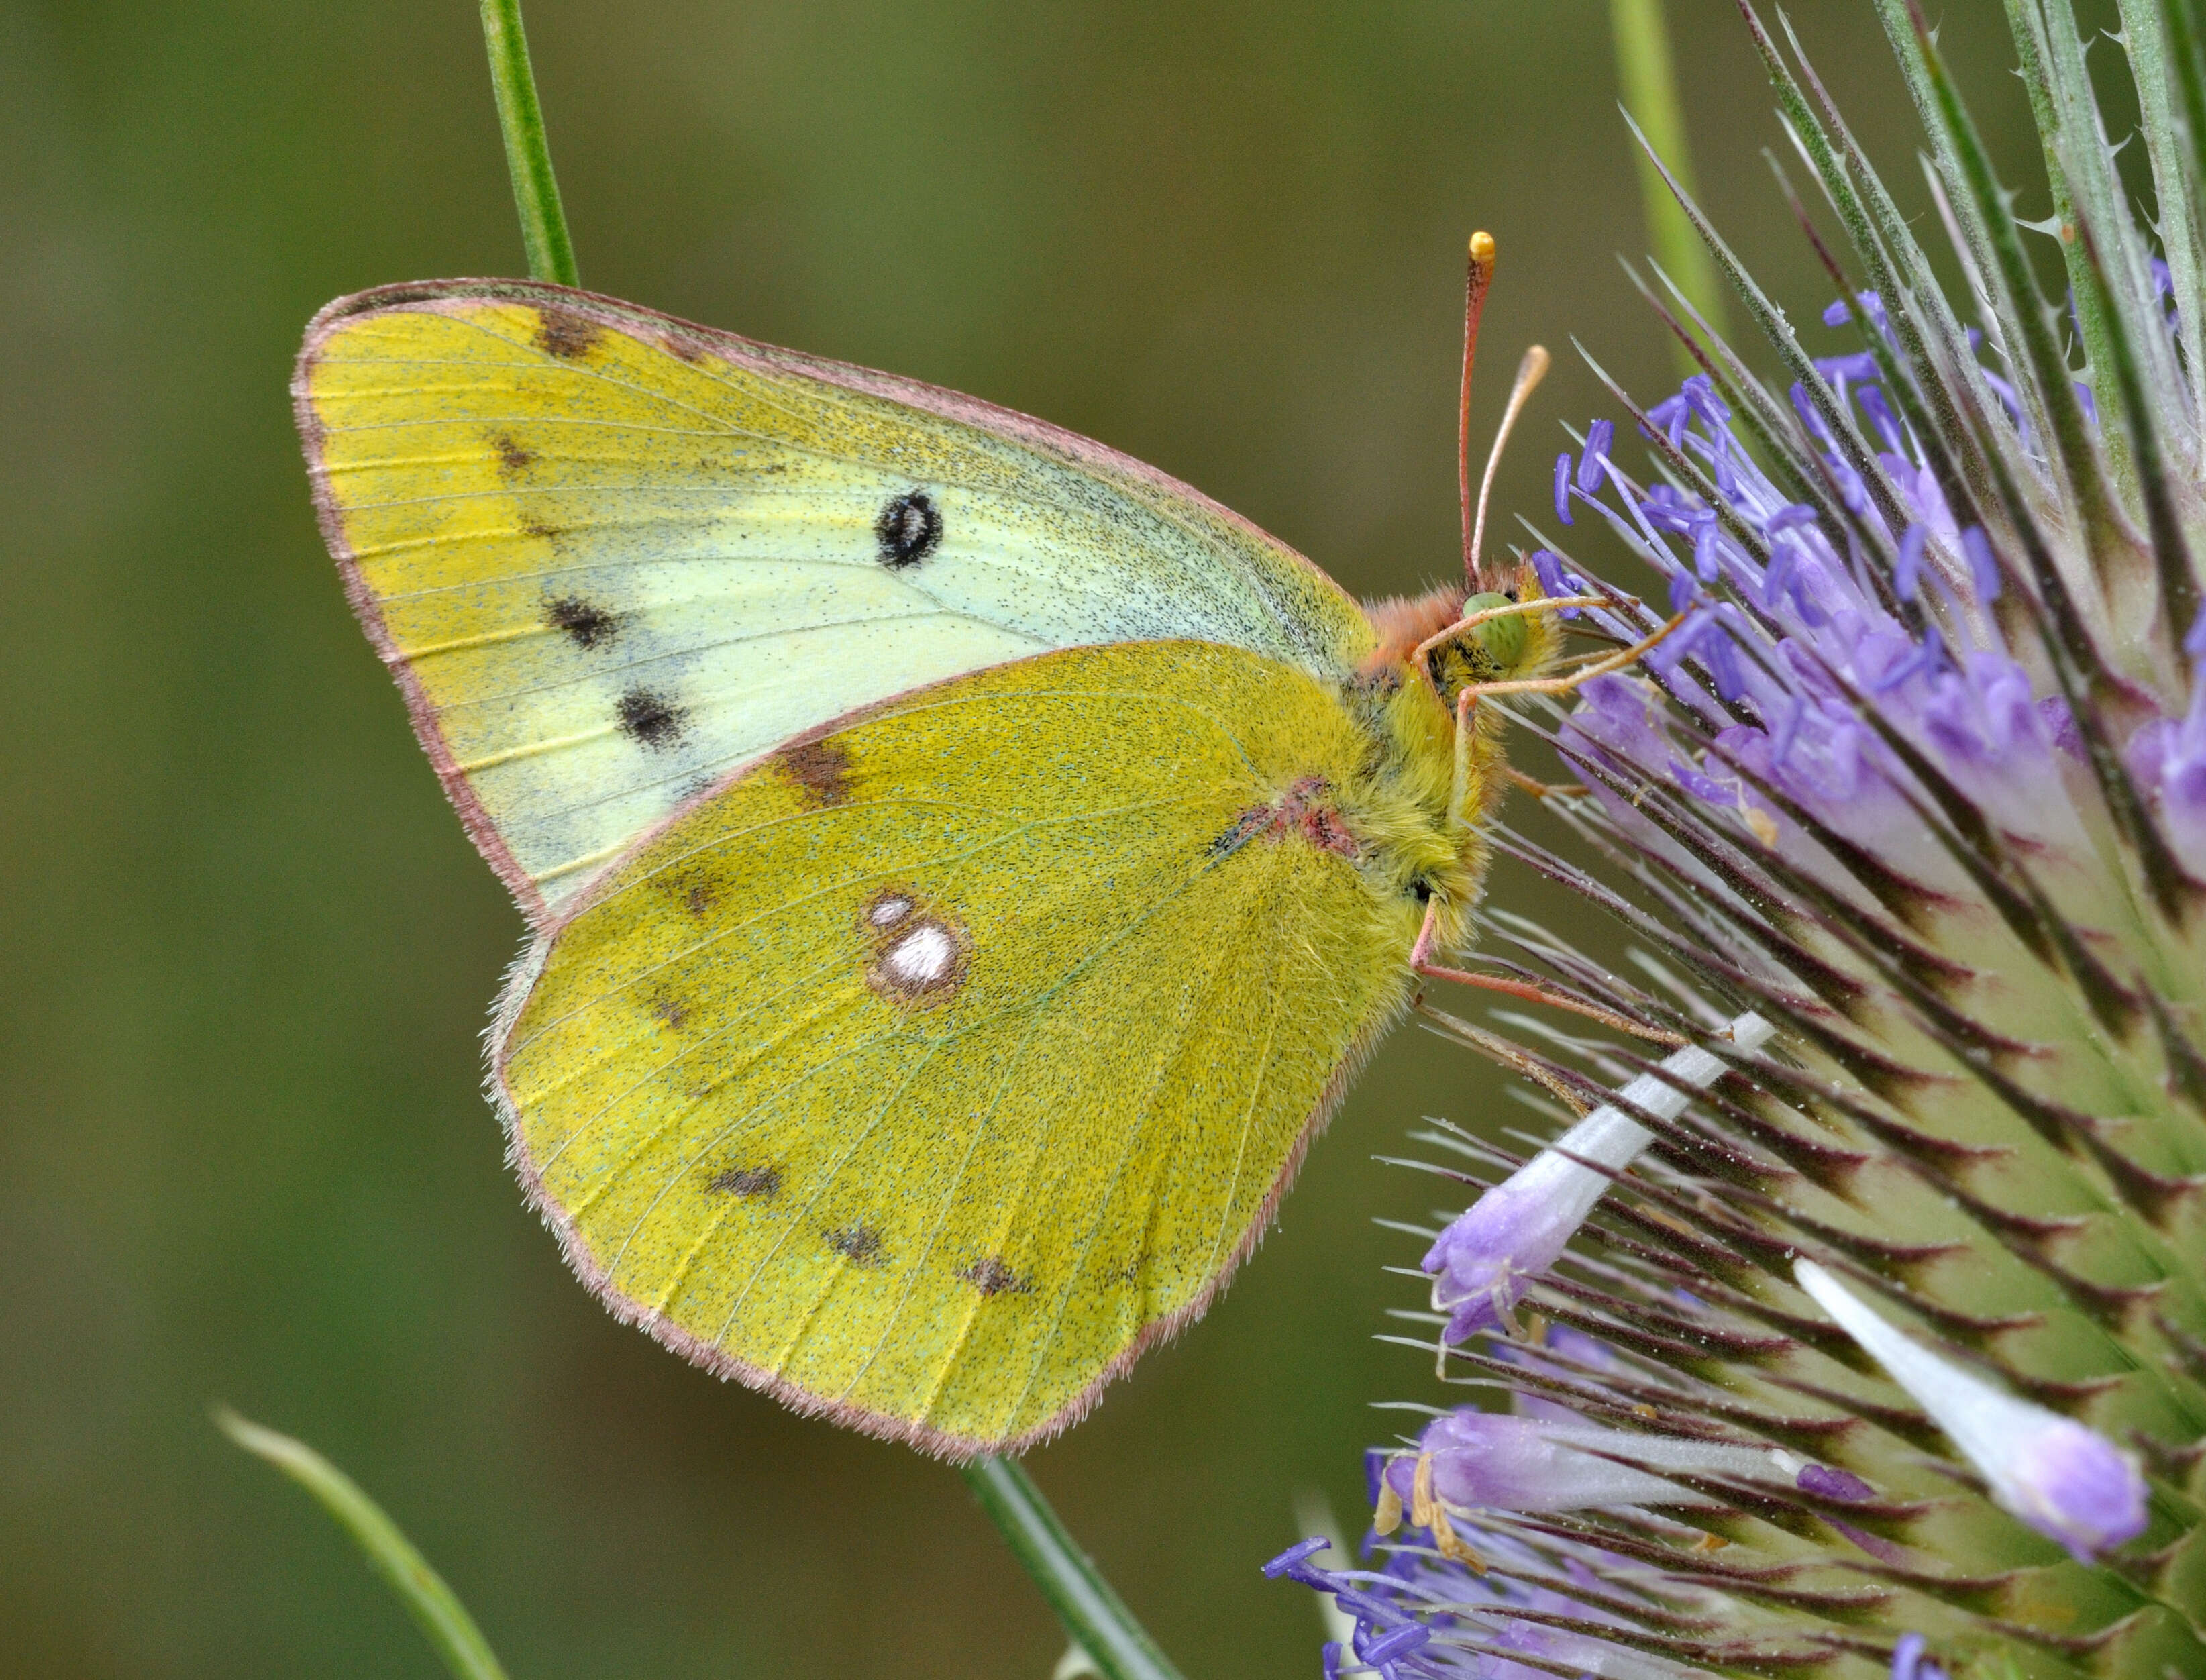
x,y
1595,464
1474,1460
1555,581
1909,566
1983,568
1908,1662
1921,782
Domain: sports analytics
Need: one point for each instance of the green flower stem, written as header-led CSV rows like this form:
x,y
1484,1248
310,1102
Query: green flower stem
x,y
528,155
450,1629
1093,1615
1647,81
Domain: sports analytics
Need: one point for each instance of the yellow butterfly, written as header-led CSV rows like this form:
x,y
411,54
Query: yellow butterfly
x,y
966,865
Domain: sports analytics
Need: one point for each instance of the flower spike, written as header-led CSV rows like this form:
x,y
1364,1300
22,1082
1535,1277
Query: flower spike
x,y
1920,779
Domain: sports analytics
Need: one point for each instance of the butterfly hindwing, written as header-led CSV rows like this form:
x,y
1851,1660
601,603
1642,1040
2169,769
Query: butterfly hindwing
x,y
612,556
929,1068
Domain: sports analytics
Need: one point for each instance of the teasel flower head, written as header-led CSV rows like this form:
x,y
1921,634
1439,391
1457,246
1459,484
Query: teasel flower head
x,y
1861,1330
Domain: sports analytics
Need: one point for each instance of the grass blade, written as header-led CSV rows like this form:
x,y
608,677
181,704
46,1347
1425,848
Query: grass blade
x,y
1646,75
527,153
431,1604
1095,1617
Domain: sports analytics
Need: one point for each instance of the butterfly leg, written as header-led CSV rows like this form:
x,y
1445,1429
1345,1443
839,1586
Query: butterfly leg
x,y
1514,610
1460,794
1540,789
1564,685
1529,992
1500,1050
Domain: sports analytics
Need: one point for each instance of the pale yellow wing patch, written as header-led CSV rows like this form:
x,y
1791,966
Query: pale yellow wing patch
x,y
926,1071
612,556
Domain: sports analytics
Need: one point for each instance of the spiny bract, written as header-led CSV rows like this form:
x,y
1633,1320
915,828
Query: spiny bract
x,y
1883,1321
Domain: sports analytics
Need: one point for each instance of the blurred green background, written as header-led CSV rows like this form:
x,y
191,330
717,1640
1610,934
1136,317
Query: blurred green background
x,y
246,953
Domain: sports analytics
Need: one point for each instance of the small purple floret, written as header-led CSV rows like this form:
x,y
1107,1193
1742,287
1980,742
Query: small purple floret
x,y
1833,1484
1706,554
1908,1662
1880,416
1983,568
1906,570
1701,787
1808,417
1555,581
2079,1489
1485,1257
1594,468
1287,1562
1563,488
1395,1643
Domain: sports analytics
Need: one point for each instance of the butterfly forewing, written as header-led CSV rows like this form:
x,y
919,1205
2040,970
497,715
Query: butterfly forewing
x,y
613,556
931,1066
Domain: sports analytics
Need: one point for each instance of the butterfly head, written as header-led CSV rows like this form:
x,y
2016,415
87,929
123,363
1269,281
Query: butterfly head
x,y
1499,636
1449,639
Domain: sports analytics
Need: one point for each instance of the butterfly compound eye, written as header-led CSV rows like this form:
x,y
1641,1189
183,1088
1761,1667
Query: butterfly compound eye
x,y
1503,638
908,529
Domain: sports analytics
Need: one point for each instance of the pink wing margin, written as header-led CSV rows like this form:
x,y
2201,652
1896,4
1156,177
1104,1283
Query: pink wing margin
x,y
582,312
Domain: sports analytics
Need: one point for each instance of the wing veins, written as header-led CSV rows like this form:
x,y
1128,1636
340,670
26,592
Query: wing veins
x,y
1167,1054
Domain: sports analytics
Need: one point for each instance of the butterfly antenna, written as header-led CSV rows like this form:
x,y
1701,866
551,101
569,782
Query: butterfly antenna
x,y
1529,373
1479,278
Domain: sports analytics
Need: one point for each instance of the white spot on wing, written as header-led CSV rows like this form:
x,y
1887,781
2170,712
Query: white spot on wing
x,y
923,956
888,912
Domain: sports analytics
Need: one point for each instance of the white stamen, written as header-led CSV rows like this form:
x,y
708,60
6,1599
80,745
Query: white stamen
x,y
922,956
2066,1481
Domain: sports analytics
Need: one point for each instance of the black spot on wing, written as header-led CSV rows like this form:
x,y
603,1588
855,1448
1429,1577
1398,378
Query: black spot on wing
x,y
511,456
860,1245
820,769
565,334
763,1182
991,1275
909,530
651,720
588,625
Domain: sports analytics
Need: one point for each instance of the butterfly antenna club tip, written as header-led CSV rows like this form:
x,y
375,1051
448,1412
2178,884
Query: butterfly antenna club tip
x,y
1479,279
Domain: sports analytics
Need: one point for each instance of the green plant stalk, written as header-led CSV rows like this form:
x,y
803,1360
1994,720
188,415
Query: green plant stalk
x,y
527,154
1095,1617
431,1604
1647,82
2159,61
